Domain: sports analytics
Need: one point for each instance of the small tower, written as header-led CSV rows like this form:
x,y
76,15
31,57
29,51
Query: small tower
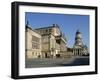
x,y
78,39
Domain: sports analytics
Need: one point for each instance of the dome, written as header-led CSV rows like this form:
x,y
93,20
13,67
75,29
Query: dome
x,y
78,32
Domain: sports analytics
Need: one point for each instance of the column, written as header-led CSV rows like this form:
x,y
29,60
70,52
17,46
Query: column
x,y
74,51
79,52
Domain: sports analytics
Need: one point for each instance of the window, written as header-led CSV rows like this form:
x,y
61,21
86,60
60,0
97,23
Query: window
x,y
35,45
46,30
50,30
32,53
35,39
35,42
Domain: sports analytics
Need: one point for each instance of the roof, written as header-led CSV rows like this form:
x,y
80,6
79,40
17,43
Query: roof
x,y
27,27
54,25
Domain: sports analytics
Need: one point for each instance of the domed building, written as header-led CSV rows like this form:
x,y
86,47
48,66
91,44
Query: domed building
x,y
79,49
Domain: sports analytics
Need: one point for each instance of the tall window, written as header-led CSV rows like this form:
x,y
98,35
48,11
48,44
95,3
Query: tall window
x,y
35,42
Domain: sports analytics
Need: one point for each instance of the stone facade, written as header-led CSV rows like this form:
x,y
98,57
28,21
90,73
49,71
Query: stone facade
x,y
33,44
50,40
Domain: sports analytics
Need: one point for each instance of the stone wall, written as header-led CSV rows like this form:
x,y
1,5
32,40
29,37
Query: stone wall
x,y
32,51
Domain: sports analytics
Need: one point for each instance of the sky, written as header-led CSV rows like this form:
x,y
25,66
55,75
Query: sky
x,y
68,23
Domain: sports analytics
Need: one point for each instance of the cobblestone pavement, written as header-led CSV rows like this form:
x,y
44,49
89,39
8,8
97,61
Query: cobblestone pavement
x,y
53,62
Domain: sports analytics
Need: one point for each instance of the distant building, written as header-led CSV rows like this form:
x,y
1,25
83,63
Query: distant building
x,y
79,49
45,42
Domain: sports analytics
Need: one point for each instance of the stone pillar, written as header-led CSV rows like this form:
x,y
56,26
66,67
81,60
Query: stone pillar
x,y
79,52
74,51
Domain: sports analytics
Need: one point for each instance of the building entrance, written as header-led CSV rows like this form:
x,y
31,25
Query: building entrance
x,y
58,55
46,56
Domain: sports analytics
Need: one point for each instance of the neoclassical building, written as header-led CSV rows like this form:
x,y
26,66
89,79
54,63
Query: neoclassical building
x,y
45,42
79,49
50,42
